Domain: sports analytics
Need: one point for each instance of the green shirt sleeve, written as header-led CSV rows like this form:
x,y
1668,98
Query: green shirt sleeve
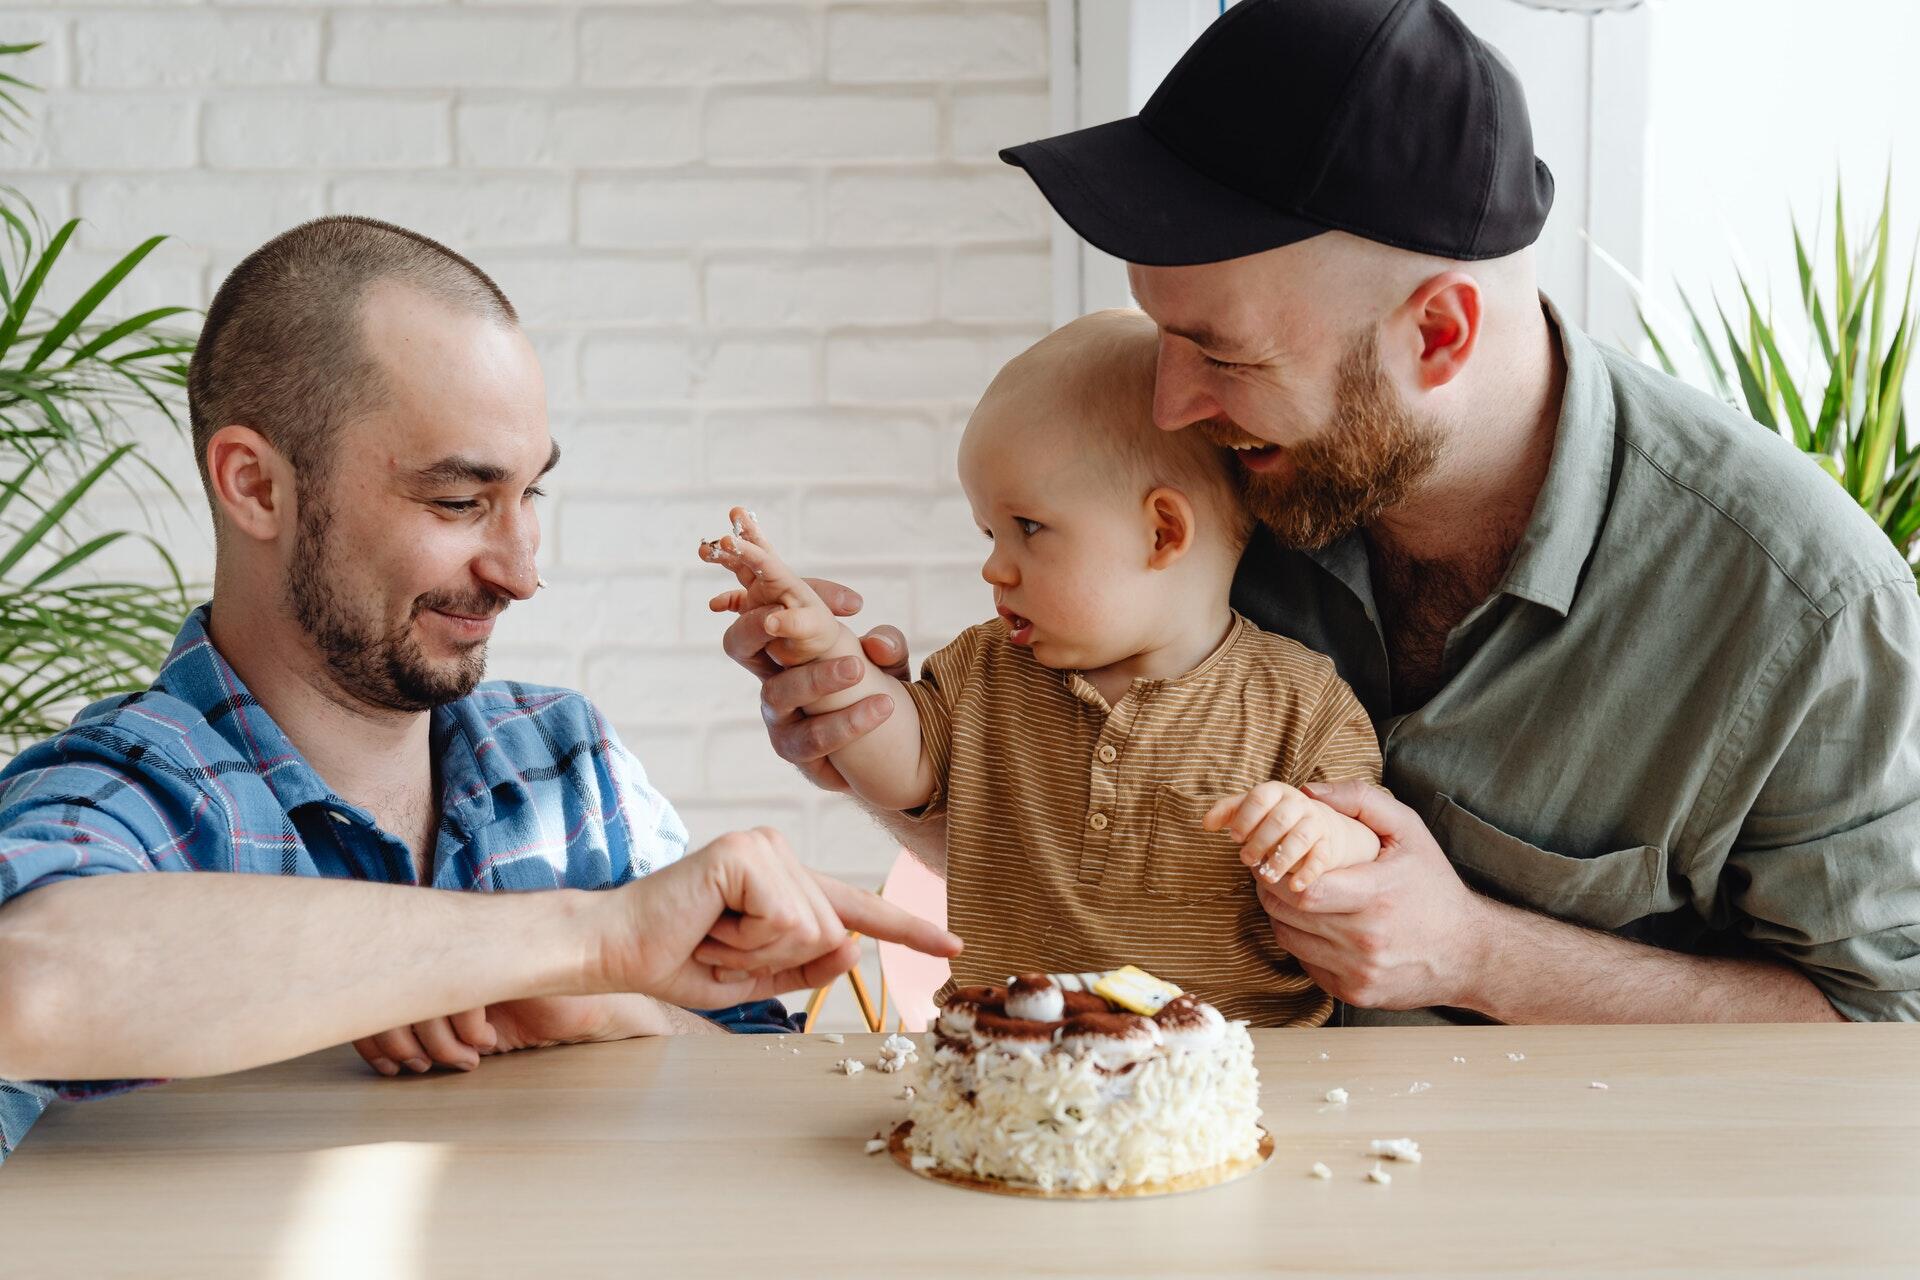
x,y
1825,867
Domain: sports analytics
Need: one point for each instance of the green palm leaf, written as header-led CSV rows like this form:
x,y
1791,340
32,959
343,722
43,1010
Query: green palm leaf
x,y
73,378
1858,433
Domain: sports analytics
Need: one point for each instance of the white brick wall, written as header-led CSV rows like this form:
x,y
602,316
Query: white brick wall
x,y
764,248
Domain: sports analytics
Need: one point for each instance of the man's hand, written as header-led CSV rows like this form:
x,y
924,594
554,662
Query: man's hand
x,y
1284,834
460,1040
1401,932
742,920
798,738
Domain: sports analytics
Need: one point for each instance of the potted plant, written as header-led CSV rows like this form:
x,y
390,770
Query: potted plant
x,y
72,380
1846,408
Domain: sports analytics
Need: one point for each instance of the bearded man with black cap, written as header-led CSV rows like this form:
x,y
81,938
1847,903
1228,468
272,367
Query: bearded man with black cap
x,y
1640,670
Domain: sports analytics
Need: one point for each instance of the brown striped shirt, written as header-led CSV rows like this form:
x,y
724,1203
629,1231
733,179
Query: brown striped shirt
x,y
1073,827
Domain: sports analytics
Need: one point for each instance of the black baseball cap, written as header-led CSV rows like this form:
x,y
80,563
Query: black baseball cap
x,y
1287,118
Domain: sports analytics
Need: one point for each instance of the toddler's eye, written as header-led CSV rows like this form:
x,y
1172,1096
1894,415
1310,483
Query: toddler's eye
x,y
1218,364
1028,527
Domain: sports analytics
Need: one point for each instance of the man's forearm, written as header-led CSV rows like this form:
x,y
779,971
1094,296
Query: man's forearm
x,y
137,975
644,1016
1537,969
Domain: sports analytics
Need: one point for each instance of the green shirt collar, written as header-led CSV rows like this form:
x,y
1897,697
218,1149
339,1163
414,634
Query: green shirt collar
x,y
1572,505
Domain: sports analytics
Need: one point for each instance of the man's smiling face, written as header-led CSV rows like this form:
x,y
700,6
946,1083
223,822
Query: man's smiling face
x,y
423,528
1324,439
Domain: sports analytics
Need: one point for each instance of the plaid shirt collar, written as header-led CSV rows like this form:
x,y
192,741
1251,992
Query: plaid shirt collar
x,y
472,764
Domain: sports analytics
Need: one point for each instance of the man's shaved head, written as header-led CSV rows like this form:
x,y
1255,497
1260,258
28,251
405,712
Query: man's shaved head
x,y
282,349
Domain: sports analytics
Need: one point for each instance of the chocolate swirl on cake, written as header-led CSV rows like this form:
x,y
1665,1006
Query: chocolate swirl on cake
x,y
1037,1010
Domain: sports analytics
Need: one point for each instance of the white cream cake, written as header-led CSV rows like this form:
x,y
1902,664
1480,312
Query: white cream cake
x,y
1045,1084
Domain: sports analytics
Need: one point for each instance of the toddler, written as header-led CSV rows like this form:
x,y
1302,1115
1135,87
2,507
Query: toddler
x,y
1118,748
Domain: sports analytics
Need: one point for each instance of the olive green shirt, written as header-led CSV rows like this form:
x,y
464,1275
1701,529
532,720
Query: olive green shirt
x,y
1690,713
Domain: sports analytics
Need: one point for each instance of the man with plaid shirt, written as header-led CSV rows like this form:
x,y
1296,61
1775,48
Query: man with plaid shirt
x,y
370,426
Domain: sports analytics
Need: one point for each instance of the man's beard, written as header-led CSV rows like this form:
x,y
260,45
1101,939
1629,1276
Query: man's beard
x,y
1370,456
383,670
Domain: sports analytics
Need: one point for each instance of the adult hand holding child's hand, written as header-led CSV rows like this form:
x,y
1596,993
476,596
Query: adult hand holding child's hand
x,y
807,740
1286,834
1402,931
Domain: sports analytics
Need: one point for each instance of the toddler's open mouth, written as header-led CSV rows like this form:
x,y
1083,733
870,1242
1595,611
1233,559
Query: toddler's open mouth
x,y
1019,629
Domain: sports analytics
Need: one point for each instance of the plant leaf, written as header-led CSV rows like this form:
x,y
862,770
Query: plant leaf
x,y
1789,393
90,301
1749,382
16,314
1709,356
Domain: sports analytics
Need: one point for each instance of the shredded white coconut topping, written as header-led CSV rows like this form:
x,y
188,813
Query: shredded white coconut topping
x,y
1046,1117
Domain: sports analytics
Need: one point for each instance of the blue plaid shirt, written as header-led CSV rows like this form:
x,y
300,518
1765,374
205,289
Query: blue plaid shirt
x,y
193,775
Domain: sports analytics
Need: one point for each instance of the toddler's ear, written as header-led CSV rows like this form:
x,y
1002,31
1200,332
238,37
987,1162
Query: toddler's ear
x,y
1170,519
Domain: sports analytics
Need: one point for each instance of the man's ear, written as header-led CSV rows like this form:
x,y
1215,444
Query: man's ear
x,y
1170,519
1440,325
252,483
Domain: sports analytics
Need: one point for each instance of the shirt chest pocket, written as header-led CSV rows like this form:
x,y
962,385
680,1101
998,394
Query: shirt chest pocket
x,y
1186,864
1605,891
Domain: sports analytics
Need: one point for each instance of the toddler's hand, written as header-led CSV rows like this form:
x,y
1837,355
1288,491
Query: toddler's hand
x,y
802,625
1285,832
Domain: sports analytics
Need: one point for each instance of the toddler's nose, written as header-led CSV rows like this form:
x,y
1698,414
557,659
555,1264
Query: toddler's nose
x,y
997,570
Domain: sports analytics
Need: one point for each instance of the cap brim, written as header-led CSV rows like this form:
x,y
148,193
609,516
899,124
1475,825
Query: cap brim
x,y
1125,193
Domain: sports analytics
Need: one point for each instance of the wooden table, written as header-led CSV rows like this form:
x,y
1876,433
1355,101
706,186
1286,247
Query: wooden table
x,y
1735,1151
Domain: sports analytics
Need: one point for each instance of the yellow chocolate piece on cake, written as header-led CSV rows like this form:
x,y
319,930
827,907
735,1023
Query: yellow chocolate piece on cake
x,y
1136,989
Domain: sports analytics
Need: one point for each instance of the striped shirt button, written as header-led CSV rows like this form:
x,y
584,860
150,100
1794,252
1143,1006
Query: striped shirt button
x,y
1107,754
1098,822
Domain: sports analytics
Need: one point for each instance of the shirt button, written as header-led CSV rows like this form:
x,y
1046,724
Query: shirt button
x,y
1098,822
1108,755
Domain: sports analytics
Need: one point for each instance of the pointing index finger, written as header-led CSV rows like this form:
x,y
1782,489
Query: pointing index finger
x,y
869,914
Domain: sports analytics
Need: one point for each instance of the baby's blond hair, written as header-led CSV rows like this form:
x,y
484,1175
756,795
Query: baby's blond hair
x,y
1094,376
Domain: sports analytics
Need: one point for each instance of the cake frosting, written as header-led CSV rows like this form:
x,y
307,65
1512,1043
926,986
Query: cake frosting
x,y
1043,1083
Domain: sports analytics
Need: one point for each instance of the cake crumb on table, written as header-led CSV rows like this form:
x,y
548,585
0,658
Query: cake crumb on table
x,y
1516,1057
1320,1171
1379,1174
1419,1086
850,1066
1395,1149
876,1144
834,1037
896,1053
1336,1096
1596,1085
